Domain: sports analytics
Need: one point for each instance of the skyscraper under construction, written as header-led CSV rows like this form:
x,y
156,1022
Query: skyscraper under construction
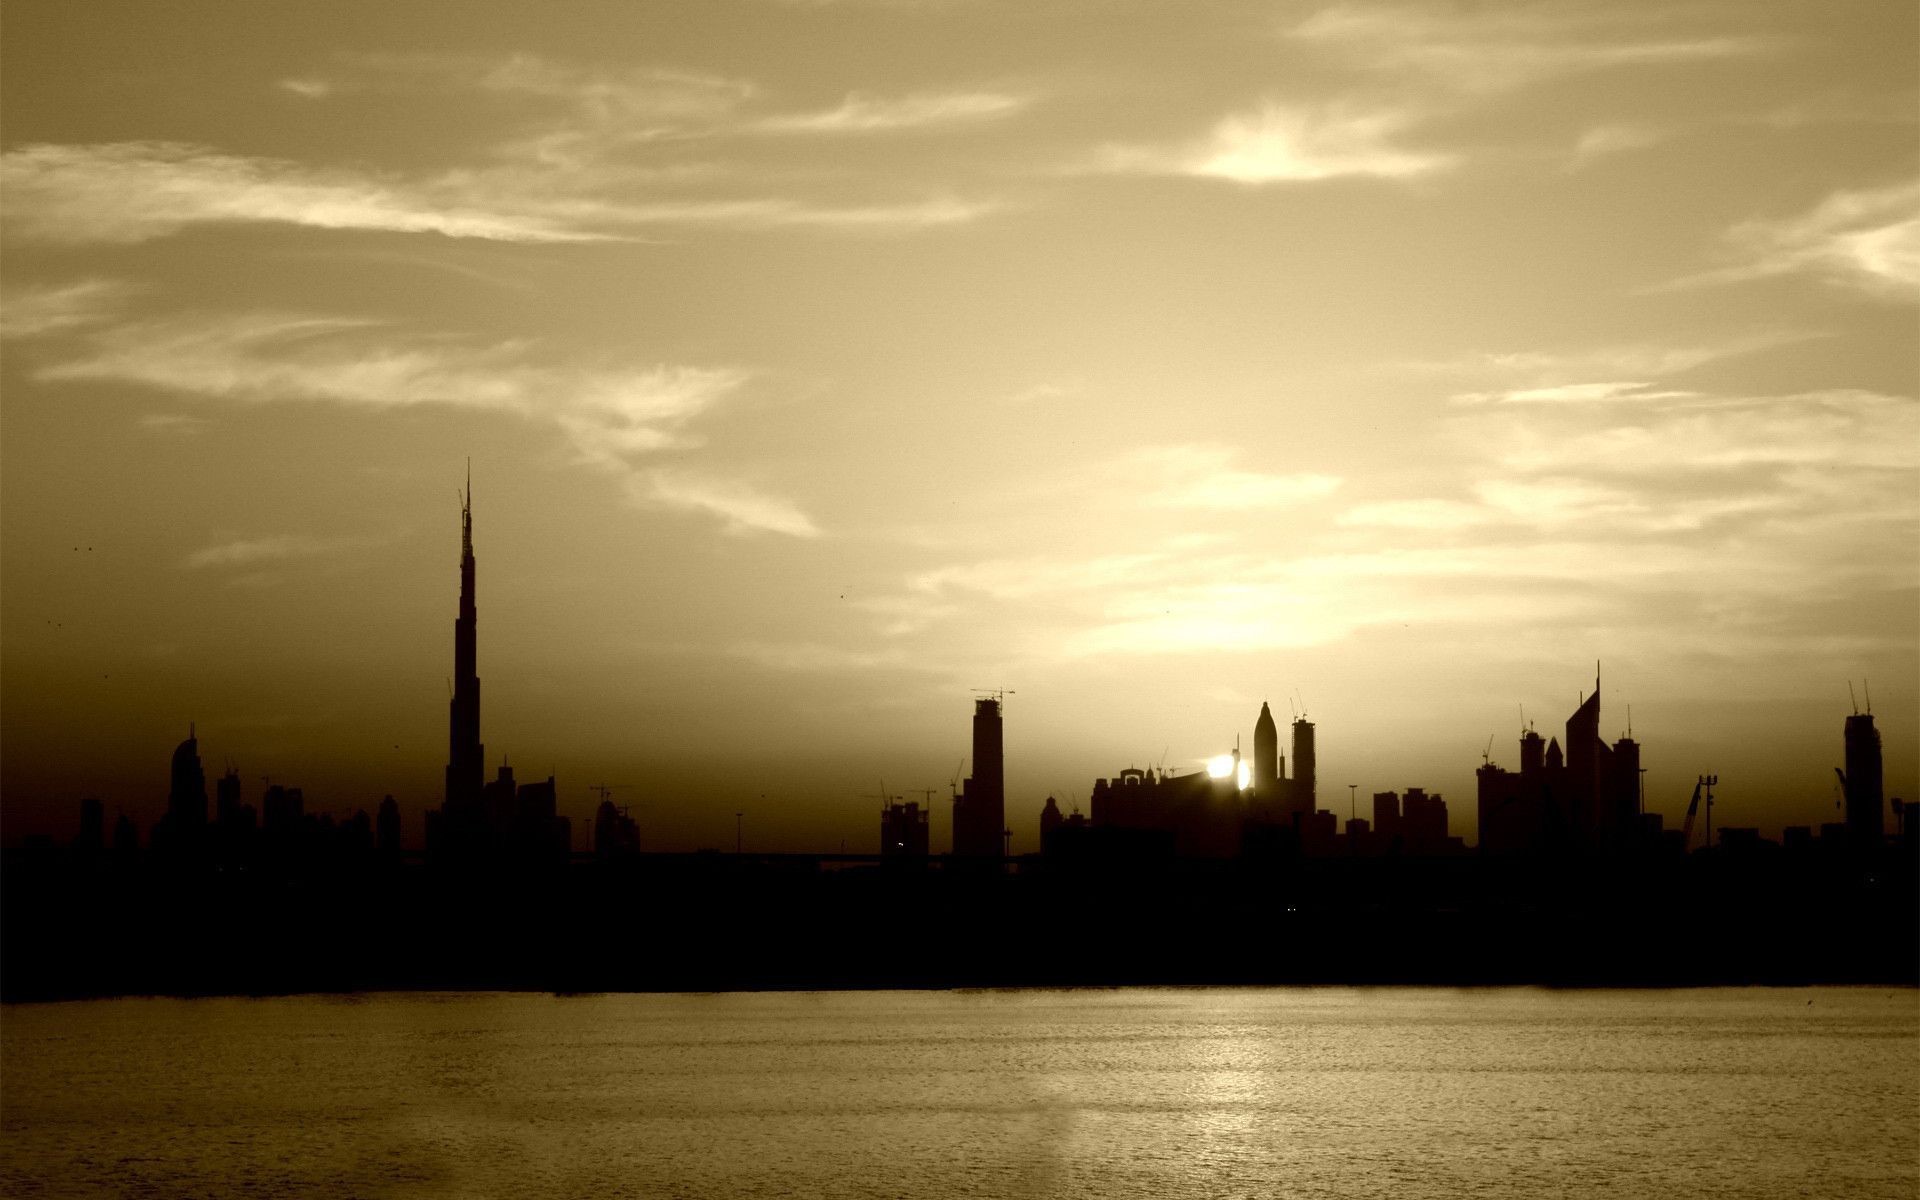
x,y
980,810
1862,782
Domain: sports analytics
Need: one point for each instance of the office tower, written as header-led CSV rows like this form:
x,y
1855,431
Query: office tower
x,y
979,813
187,791
387,827
1302,797
1866,822
1266,758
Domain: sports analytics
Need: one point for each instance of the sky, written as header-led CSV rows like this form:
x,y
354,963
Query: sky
x,y
820,363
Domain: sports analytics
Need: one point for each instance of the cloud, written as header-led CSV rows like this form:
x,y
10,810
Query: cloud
x,y
1571,393
1869,238
1416,514
862,113
812,657
614,417
742,509
311,89
249,552
1204,476
1592,512
174,423
1548,369
1287,144
1499,48
1604,140
137,191
1844,429
33,311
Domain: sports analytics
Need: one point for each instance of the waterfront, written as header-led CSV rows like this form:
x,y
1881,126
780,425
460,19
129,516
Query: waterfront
x,y
1175,1092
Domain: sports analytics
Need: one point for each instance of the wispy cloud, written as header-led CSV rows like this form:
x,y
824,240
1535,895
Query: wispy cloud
x,y
1869,238
32,311
863,113
1503,47
1549,369
1571,393
1602,141
1598,504
173,423
613,417
1203,477
1280,143
136,191
251,552
741,508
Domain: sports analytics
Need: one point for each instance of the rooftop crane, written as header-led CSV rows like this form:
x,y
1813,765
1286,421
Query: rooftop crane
x,y
605,790
1693,807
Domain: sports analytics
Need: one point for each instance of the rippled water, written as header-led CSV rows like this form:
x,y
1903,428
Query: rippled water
x,y
1283,1092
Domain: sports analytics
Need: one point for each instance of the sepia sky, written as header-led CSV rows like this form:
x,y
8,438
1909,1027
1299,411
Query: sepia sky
x,y
820,362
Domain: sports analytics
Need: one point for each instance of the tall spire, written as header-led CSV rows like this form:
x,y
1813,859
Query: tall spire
x,y
465,754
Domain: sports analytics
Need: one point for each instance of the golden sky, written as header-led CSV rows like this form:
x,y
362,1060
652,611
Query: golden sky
x,y
822,361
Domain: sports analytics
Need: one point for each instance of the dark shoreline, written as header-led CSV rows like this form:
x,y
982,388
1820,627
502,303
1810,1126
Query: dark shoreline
x,y
707,923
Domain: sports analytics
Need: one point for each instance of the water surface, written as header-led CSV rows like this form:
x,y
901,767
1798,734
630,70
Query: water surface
x,y
1133,1092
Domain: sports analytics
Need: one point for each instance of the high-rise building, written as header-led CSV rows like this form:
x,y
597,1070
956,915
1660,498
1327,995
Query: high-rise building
x,y
979,812
1266,758
1386,814
903,831
387,827
187,790
1866,820
226,799
466,757
1302,797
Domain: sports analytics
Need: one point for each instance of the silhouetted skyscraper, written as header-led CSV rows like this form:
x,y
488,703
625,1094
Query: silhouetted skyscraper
x,y
387,827
1266,757
1303,798
615,834
466,757
1866,819
226,799
1533,752
979,815
187,793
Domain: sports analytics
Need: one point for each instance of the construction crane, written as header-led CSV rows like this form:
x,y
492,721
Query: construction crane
x,y
1693,808
605,790
1486,756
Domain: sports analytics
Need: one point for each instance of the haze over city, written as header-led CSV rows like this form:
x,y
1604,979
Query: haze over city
x,y
821,363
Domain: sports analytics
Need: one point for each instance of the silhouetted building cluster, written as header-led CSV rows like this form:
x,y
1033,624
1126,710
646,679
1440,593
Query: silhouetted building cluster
x,y
280,836
1573,794
615,833
903,830
1585,798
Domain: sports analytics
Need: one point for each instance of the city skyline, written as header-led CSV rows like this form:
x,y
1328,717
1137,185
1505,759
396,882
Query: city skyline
x,y
1586,798
821,364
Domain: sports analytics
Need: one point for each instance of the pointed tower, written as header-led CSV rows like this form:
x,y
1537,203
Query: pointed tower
x,y
1266,758
465,754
